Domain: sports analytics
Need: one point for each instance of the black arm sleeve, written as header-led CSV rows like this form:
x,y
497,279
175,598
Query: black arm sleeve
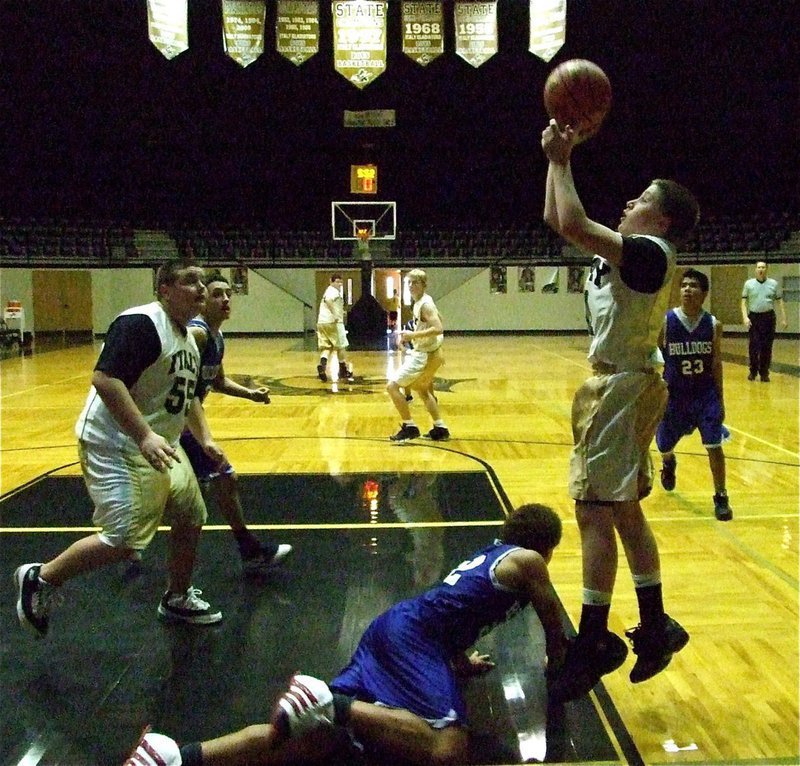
x,y
132,345
644,264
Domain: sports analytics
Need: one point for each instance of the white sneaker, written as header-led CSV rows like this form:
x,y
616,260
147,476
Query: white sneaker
x,y
307,704
155,750
262,563
188,607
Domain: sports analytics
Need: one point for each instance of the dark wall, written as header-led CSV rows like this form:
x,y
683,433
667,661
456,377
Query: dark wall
x,y
96,123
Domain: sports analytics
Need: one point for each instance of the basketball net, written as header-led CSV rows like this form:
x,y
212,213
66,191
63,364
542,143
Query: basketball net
x,y
363,236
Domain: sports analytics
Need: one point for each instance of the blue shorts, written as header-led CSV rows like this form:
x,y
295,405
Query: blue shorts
x,y
687,411
397,665
203,466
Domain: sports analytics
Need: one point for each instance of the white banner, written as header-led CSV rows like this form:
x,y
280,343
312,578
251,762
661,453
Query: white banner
x,y
548,27
243,29
476,31
359,40
423,31
297,29
168,26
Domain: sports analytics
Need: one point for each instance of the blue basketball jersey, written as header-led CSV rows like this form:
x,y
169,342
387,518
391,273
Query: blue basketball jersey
x,y
404,657
210,359
469,602
688,352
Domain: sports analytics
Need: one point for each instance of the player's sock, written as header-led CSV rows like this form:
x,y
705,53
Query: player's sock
x,y
341,708
439,423
248,544
650,598
594,621
192,754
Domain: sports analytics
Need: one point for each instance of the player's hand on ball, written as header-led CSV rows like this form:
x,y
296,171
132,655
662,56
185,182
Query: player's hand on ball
x,y
557,144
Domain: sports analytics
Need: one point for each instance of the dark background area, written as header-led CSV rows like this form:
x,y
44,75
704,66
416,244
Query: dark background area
x,y
96,123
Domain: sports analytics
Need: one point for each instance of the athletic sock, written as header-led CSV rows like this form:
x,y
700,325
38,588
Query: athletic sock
x,y
594,621
341,708
192,754
248,544
651,604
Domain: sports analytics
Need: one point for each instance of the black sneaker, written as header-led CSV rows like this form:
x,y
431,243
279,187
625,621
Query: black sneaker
x,y
722,509
345,374
438,434
765,378
321,373
668,474
267,558
33,599
405,433
188,607
654,647
585,663
751,376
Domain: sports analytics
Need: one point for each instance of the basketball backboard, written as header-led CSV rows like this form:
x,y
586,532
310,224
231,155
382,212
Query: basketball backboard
x,y
379,218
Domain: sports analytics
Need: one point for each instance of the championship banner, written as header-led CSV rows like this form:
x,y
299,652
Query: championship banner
x,y
359,40
476,31
243,29
423,31
168,26
548,27
297,30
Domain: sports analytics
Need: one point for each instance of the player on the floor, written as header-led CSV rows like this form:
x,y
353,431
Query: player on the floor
x,y
691,340
331,333
220,481
616,411
419,364
136,472
399,696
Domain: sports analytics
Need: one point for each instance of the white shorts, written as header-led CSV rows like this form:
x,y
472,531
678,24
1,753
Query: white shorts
x,y
417,368
330,336
614,418
131,498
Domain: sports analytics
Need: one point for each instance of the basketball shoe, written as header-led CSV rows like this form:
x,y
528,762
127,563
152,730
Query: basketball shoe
x,y
405,433
668,473
722,508
438,434
305,705
155,750
267,558
188,607
654,647
587,660
34,599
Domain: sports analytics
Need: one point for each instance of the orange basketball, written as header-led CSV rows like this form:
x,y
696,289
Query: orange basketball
x,y
578,93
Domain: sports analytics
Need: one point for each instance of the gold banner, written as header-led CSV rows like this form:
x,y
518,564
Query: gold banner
x,y
168,26
297,30
359,40
423,31
548,27
243,29
476,31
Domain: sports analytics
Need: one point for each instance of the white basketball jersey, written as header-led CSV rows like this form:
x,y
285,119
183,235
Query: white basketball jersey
x,y
625,323
434,341
330,314
163,392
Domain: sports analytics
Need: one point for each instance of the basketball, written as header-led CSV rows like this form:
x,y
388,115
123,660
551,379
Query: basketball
x,y
578,93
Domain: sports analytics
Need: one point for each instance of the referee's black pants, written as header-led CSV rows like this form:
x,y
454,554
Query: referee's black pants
x,y
762,334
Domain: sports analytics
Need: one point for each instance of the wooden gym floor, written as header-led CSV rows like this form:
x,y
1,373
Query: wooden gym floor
x,y
372,522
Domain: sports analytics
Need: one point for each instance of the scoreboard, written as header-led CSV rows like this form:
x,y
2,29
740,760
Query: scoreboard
x,y
363,179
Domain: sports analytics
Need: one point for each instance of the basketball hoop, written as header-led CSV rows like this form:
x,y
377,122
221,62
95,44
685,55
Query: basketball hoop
x,y
363,236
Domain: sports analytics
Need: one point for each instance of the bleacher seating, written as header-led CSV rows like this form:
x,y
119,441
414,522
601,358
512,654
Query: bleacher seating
x,y
718,238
